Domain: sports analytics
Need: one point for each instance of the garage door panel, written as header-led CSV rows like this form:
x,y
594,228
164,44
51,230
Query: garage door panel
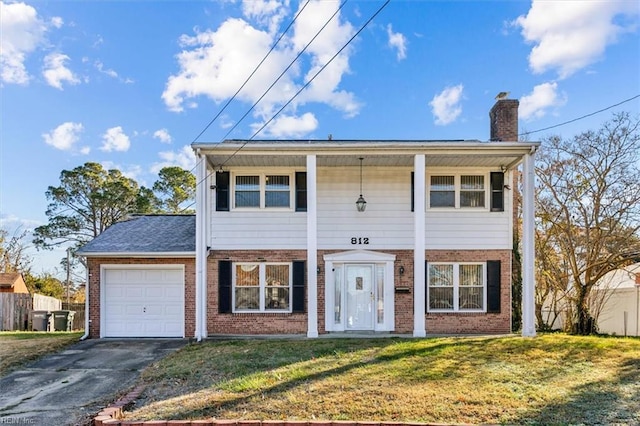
x,y
144,302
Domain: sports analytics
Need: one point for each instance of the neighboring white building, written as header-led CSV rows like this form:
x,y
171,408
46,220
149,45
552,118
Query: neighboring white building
x,y
620,314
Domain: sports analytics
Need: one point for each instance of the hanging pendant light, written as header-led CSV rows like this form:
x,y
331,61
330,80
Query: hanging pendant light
x,y
361,204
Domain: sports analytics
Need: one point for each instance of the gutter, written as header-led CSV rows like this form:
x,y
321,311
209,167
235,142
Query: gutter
x,y
86,307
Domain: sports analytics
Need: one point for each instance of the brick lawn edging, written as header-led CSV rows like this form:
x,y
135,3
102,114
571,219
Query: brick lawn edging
x,y
112,416
214,422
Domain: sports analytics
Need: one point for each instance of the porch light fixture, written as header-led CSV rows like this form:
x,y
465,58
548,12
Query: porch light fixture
x,y
361,204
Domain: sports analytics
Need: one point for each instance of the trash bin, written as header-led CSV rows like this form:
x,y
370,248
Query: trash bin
x,y
62,320
40,320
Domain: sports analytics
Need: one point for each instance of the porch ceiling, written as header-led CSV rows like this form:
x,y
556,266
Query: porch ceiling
x,y
262,161
374,154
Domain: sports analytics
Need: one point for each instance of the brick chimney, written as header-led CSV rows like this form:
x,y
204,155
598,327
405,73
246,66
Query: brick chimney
x,y
504,119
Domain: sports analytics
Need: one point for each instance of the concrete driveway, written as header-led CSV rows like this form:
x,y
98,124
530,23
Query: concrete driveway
x,y
71,386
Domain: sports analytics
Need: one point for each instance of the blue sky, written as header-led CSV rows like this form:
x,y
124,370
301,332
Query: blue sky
x,y
131,84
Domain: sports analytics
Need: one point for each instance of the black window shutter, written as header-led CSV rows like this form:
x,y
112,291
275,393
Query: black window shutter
x,y
222,191
298,286
412,190
224,286
426,284
301,191
493,286
497,191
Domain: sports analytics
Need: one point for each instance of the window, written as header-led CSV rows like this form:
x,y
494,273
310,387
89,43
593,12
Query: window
x,y
262,191
457,191
262,287
456,287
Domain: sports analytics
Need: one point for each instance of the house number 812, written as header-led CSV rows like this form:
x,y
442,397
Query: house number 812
x,y
360,240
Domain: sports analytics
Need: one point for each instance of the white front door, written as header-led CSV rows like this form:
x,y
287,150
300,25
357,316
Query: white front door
x,y
360,297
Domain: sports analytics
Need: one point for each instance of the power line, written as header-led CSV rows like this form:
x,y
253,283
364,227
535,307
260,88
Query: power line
x,y
284,71
299,91
253,72
580,118
307,83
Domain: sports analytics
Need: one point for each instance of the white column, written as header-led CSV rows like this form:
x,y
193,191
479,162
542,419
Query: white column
x,y
201,246
312,249
528,246
419,291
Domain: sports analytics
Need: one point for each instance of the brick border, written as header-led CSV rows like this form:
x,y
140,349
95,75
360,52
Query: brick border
x,y
112,416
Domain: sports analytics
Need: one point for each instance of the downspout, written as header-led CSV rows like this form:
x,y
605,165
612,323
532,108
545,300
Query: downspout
x,y
86,305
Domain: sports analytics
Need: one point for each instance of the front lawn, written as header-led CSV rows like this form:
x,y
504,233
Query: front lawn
x,y
552,378
19,347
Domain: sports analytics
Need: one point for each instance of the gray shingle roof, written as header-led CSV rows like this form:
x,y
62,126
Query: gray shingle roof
x,y
146,234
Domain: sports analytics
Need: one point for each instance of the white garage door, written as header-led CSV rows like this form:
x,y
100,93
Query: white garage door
x,y
143,301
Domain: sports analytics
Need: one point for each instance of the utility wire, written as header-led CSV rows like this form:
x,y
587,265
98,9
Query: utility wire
x,y
307,83
580,118
252,73
299,91
284,71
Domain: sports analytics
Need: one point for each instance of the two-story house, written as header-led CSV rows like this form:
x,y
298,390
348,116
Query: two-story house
x,y
313,237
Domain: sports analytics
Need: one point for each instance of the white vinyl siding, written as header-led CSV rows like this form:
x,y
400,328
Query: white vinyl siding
x,y
386,224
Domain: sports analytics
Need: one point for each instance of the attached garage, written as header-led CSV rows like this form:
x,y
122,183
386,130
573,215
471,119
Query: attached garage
x,y
141,278
142,301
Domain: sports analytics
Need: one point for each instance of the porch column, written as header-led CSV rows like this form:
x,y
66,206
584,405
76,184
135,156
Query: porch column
x,y
419,291
312,249
528,245
201,248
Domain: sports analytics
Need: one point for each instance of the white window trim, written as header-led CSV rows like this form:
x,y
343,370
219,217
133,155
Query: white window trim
x,y
262,288
458,188
456,288
263,187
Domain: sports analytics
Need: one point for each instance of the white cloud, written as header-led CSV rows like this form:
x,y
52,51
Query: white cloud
x,y
269,13
115,139
56,72
100,67
132,171
65,136
22,32
163,135
290,126
543,97
214,64
185,158
570,35
57,22
397,41
445,106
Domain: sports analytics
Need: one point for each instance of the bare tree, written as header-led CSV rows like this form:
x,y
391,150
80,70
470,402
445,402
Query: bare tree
x,y
588,211
13,257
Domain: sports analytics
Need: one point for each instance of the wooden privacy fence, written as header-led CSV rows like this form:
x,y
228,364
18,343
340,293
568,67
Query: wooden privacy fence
x,y
16,310
78,317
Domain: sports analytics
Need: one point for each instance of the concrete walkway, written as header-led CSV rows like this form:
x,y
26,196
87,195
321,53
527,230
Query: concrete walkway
x,y
69,387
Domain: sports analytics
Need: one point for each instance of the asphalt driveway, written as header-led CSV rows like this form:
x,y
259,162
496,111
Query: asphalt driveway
x,y
68,387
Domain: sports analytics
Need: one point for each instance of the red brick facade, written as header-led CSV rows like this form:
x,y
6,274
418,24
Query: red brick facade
x,y
296,323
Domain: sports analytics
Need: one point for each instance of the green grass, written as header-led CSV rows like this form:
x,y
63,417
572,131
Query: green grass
x,y
553,378
20,347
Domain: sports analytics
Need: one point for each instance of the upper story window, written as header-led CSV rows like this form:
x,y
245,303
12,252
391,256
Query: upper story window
x,y
262,191
457,191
